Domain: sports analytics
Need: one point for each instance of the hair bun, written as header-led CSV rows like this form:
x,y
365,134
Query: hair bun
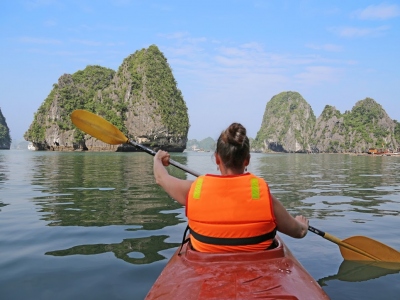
x,y
233,147
236,134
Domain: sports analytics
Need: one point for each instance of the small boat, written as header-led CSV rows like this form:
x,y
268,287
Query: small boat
x,y
270,274
31,146
376,151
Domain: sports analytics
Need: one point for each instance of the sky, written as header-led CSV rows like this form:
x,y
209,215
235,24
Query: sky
x,y
229,58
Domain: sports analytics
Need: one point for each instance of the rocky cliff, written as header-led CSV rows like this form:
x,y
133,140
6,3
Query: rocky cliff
x,y
290,126
287,125
5,139
141,99
366,126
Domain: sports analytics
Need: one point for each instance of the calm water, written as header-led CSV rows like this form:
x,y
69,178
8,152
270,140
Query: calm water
x,y
95,225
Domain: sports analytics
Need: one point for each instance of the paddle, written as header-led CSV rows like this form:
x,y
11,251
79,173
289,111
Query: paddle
x,y
353,248
361,248
103,130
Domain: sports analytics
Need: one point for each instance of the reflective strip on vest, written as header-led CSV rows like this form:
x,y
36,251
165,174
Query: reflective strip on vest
x,y
197,189
255,189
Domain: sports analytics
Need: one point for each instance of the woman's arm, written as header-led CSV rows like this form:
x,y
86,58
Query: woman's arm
x,y
295,227
176,188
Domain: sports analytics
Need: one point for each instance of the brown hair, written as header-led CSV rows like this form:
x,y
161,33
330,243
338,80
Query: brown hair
x,y
233,146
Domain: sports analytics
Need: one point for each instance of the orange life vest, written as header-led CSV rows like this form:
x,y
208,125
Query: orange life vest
x,y
230,213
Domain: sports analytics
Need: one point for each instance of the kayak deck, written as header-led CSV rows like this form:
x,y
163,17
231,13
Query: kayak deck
x,y
270,274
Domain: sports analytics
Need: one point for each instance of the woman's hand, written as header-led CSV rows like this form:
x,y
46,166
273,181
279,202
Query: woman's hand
x,y
303,223
163,156
178,189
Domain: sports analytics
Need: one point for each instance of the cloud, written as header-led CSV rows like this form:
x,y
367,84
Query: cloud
x,y
325,47
64,53
87,42
378,12
50,23
121,2
176,35
161,7
184,51
43,41
32,4
183,36
96,28
232,69
313,75
350,32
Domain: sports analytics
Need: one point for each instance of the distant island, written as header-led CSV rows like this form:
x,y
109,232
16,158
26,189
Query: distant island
x,y
289,125
207,144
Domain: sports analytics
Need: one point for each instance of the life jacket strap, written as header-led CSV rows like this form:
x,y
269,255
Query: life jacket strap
x,y
184,240
233,241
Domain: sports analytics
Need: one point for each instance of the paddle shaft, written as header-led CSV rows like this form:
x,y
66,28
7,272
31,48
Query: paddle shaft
x,y
172,162
339,242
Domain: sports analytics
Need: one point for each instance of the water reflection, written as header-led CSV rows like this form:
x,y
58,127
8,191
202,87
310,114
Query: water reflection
x,y
3,176
104,189
329,185
101,189
354,271
144,250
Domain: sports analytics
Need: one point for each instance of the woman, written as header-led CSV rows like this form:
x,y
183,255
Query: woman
x,y
234,211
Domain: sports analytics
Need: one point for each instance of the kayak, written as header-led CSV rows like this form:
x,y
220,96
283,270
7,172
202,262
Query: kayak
x,y
269,274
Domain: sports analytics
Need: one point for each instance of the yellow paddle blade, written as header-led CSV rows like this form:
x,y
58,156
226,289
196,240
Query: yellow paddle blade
x,y
361,248
379,251
98,127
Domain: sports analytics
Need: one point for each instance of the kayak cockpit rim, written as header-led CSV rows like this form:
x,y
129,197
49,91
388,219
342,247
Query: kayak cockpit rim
x,y
189,254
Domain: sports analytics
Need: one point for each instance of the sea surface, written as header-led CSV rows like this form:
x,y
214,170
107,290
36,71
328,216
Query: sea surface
x,y
85,225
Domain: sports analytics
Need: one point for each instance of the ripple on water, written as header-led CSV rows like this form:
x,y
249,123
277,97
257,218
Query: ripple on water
x,y
135,254
92,188
320,191
370,175
388,188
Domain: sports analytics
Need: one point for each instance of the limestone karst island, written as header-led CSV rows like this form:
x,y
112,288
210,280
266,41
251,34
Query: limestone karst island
x,y
289,125
142,99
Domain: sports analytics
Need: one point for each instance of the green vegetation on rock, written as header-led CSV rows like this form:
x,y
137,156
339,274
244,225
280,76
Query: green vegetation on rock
x,y
5,139
397,131
141,99
363,122
289,126
329,112
152,80
76,91
287,123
